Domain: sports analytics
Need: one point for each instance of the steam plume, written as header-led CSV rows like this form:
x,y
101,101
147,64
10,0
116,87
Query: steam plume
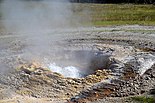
x,y
32,19
35,21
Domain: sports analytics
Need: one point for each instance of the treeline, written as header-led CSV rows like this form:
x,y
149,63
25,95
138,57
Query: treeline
x,y
107,1
116,1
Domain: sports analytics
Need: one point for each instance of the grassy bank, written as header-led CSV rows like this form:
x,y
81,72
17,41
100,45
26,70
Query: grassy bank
x,y
143,99
120,14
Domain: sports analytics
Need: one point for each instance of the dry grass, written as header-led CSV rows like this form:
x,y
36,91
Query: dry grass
x,y
118,14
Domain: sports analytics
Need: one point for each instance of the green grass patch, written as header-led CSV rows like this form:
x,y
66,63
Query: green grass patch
x,y
143,99
118,14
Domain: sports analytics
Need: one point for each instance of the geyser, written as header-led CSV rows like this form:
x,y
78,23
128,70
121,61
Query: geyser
x,y
78,63
35,21
69,71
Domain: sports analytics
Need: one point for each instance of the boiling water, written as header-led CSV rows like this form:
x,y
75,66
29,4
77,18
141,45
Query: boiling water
x,y
77,64
69,71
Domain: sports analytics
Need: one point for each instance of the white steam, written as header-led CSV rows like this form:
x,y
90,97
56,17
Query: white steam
x,y
34,20
36,15
69,71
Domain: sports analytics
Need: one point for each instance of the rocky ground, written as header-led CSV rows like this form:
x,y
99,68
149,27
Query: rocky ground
x,y
129,70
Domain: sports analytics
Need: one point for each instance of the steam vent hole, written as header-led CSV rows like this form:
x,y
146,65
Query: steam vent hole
x,y
79,63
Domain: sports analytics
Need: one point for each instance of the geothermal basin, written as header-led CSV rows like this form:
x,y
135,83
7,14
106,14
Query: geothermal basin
x,y
86,62
47,55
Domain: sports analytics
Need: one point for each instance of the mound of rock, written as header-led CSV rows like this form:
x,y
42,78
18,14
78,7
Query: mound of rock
x,y
118,88
38,82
